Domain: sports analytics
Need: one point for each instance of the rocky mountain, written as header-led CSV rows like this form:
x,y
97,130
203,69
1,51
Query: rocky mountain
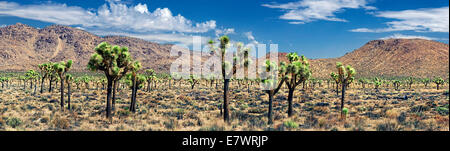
x,y
389,58
23,47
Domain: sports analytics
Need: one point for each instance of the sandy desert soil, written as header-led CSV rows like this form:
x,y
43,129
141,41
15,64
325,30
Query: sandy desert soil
x,y
182,109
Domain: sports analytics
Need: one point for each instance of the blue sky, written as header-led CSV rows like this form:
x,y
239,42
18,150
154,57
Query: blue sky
x,y
314,28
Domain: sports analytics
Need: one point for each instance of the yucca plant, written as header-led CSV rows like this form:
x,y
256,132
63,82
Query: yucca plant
x,y
363,82
335,78
45,71
272,80
32,76
377,82
193,80
150,77
438,81
410,81
396,84
115,62
228,69
297,72
425,82
61,69
135,81
346,76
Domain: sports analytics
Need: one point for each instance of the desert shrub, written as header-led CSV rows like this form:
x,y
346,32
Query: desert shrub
x,y
123,112
171,124
179,113
13,122
60,122
214,127
388,126
442,110
243,106
420,108
257,110
402,117
44,120
290,124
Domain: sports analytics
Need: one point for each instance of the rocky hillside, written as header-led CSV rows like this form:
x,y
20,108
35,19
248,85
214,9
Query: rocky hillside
x,y
390,58
23,47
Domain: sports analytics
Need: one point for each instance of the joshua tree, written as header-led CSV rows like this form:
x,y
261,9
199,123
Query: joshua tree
x,y
45,71
363,82
150,77
61,69
32,76
297,72
115,62
396,84
426,81
86,79
410,81
193,79
69,79
377,82
227,66
135,82
438,81
335,78
273,82
345,76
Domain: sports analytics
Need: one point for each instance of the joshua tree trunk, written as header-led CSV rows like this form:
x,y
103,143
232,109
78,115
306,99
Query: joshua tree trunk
x,y
290,97
62,93
337,89
50,84
42,85
437,86
108,97
343,97
225,100
68,96
115,83
133,95
270,107
34,93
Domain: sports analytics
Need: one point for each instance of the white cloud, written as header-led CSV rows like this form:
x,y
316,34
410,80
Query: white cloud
x,y
251,38
226,31
401,36
305,11
420,20
296,22
3,25
114,16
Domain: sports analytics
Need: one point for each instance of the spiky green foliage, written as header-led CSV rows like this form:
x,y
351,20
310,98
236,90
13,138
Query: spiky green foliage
x,y
396,84
193,80
438,81
297,72
377,82
32,76
272,80
61,69
115,62
426,81
345,76
135,81
228,69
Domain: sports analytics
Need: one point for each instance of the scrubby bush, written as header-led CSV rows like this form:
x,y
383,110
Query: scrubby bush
x,y
13,122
